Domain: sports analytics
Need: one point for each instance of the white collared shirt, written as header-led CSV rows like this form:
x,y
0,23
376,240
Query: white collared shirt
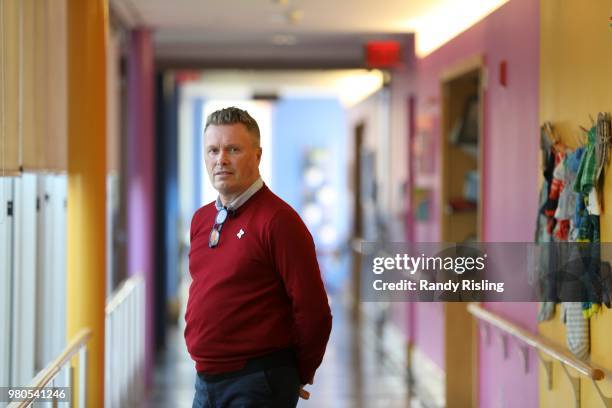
x,y
242,198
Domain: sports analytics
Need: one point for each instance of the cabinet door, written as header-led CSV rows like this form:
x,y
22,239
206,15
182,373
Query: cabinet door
x,y
44,85
51,269
10,77
23,285
56,103
6,221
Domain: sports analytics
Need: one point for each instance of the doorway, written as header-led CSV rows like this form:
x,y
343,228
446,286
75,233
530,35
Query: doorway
x,y
461,153
461,214
357,229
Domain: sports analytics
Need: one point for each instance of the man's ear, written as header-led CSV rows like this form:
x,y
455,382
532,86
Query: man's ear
x,y
259,152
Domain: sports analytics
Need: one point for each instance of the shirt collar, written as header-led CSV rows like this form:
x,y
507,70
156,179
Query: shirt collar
x,y
242,198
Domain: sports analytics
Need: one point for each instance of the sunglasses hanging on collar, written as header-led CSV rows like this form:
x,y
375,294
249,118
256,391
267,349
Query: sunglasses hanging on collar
x,y
215,233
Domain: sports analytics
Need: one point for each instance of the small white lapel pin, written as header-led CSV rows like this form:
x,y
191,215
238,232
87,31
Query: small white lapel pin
x,y
240,233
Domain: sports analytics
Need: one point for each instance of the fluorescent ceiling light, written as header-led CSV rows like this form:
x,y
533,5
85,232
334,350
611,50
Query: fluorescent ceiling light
x,y
447,20
354,88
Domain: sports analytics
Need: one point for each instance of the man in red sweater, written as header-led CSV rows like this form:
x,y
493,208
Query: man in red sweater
x,y
257,320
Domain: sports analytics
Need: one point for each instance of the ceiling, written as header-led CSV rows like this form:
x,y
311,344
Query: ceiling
x,y
293,33
268,33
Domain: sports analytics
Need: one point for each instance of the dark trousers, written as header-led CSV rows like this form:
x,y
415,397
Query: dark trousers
x,y
276,387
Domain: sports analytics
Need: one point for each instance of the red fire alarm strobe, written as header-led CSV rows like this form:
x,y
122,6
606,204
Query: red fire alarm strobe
x,y
382,54
503,73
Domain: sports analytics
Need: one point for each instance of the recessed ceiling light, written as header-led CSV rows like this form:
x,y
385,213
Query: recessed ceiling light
x,y
295,16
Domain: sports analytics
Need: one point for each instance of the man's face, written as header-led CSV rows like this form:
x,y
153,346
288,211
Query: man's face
x,y
232,158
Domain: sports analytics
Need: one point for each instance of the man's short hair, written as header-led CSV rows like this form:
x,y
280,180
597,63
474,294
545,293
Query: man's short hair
x,y
231,116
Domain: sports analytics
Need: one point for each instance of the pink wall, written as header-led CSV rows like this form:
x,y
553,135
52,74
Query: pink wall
x,y
510,178
503,381
511,114
141,175
428,330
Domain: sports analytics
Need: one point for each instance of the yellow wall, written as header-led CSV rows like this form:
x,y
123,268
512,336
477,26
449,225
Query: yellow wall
x,y
575,74
86,297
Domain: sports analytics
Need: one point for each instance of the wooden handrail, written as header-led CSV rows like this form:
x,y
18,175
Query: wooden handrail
x,y
537,342
46,375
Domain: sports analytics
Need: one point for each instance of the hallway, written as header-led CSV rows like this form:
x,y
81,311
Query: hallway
x,y
470,124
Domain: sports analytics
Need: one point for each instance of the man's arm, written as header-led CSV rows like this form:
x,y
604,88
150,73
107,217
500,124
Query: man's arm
x,y
293,251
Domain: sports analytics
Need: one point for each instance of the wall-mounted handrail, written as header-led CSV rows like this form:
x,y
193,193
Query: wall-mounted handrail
x,y
48,374
537,342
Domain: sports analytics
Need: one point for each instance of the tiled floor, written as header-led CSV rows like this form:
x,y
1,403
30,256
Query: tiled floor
x,y
174,378
352,375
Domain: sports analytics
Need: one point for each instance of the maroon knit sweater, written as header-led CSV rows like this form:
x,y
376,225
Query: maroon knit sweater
x,y
258,293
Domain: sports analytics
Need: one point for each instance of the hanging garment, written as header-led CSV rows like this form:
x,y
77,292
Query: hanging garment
x,y
572,163
567,199
584,184
589,309
577,329
589,234
606,284
585,177
560,226
543,237
593,206
603,143
550,205
547,311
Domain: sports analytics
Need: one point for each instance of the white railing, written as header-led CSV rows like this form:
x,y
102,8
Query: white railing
x,y
47,377
124,345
